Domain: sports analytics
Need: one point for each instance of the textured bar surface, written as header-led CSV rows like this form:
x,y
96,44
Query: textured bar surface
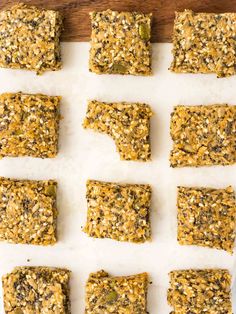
x,y
119,212
28,211
106,294
30,38
200,291
37,290
203,135
29,125
120,43
204,43
127,123
207,217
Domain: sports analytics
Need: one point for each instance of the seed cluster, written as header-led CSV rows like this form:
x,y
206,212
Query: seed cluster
x,y
119,212
204,43
120,43
200,291
203,135
30,38
37,290
28,211
29,125
127,123
207,217
106,294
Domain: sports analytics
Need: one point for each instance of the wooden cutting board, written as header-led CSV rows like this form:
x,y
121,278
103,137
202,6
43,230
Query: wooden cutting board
x,y
77,23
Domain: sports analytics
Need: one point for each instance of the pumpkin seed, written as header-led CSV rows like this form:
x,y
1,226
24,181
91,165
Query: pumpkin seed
x,y
50,190
119,68
144,31
111,296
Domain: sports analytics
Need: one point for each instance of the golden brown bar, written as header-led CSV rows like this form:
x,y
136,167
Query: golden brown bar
x,y
207,217
203,135
204,43
37,290
120,212
200,291
29,125
127,123
106,294
120,43
28,211
30,38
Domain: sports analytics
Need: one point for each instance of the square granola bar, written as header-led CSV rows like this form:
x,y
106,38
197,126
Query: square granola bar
x,y
120,43
204,43
203,135
106,294
207,217
200,291
37,290
127,123
120,212
28,211
30,38
29,125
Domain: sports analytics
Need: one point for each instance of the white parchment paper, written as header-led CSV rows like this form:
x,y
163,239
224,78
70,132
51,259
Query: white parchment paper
x,y
88,155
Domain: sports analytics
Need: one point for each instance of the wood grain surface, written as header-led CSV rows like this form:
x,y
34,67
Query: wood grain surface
x,y
77,22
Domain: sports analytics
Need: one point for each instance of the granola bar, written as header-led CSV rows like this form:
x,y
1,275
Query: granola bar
x,y
203,135
207,217
200,291
28,211
127,123
204,43
106,294
29,125
37,290
30,38
120,43
120,212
